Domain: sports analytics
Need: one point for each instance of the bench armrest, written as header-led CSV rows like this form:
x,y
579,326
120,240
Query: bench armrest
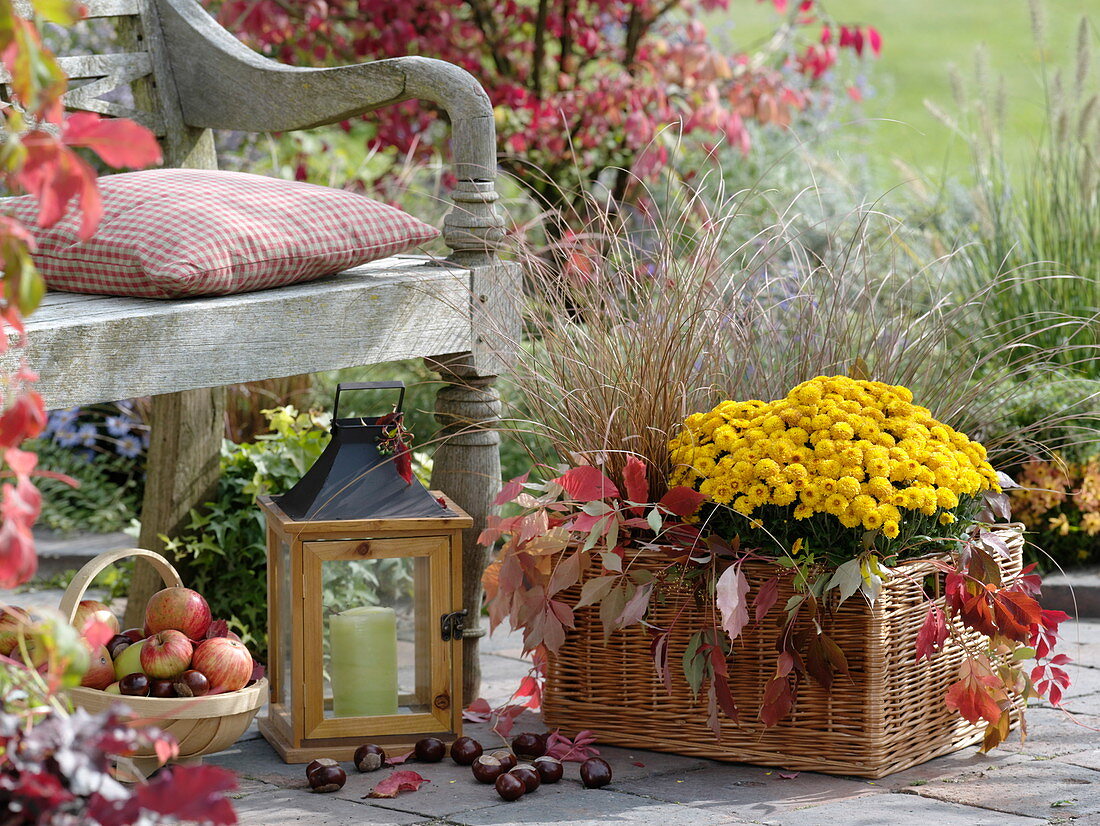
x,y
223,84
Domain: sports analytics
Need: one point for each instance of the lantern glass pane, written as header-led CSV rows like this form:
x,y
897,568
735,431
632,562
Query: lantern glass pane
x,y
377,618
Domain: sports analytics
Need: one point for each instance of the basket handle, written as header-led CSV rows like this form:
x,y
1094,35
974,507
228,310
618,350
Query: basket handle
x,y
75,592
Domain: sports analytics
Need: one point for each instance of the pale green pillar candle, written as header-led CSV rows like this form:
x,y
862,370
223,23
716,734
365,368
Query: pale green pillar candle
x,y
363,663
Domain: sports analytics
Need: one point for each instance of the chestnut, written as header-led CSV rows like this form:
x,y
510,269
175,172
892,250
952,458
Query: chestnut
x,y
506,758
319,763
430,750
117,644
191,683
550,769
529,745
528,775
162,688
487,769
510,787
327,779
465,750
369,757
134,685
595,772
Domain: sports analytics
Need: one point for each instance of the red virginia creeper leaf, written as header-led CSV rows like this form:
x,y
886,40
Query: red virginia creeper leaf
x,y
730,598
932,634
587,484
682,501
478,711
119,142
401,781
636,483
766,595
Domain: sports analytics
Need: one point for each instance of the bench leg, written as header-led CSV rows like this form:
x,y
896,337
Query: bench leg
x,y
467,468
182,472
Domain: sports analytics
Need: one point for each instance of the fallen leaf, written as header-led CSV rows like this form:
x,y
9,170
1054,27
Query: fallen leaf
x,y
402,781
399,759
638,763
479,711
790,776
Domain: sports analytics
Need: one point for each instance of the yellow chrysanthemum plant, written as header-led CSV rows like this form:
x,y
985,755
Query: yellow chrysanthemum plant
x,y
839,466
831,484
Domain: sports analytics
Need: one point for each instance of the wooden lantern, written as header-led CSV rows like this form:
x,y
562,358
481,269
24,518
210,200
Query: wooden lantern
x,y
365,618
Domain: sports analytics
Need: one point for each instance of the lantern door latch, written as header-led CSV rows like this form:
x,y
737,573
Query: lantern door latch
x,y
452,625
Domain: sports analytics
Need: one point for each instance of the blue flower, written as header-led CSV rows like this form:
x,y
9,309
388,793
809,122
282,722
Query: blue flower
x,y
66,437
87,435
128,446
119,425
60,420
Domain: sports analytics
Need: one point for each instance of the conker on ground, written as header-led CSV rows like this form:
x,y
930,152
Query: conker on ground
x,y
134,685
595,772
191,683
528,775
369,757
528,744
465,750
550,769
506,758
162,688
510,786
327,779
319,763
430,750
487,769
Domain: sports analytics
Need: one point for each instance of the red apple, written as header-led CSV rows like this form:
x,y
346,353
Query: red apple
x,y
11,619
178,609
224,662
166,654
90,609
101,673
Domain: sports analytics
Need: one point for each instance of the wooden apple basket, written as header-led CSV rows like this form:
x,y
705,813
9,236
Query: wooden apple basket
x,y
202,725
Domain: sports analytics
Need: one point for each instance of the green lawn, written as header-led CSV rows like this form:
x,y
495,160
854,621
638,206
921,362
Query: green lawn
x,y
923,40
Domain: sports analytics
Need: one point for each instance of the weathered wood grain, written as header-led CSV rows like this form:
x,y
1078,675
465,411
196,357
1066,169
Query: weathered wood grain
x,y
222,84
119,348
182,469
467,465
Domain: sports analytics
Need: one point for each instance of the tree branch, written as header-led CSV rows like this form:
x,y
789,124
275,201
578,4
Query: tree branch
x,y
539,55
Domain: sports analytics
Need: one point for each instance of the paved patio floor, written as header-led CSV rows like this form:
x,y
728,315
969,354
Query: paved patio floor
x,y
1052,778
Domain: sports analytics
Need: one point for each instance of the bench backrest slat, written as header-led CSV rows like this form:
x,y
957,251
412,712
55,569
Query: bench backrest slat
x,y
130,76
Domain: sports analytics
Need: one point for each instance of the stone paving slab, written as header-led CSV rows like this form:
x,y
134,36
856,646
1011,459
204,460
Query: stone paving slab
x,y
1081,641
1041,789
897,810
1052,733
967,761
592,807
452,789
286,806
1085,759
748,792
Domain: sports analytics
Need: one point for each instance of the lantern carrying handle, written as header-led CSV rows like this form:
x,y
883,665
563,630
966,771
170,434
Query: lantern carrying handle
x,y
369,385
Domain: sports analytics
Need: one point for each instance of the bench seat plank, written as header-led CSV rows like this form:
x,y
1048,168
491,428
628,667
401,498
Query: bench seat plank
x,y
88,349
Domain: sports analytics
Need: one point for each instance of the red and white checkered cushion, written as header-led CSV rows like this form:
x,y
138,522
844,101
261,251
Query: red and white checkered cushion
x,y
168,233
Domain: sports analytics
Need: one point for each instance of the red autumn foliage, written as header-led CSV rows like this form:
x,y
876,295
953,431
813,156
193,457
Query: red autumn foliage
x,y
399,781
579,86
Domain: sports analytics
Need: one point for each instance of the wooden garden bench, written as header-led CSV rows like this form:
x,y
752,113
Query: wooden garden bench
x,y
186,75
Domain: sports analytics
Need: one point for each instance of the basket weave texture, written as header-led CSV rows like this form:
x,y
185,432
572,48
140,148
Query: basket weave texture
x,y
888,716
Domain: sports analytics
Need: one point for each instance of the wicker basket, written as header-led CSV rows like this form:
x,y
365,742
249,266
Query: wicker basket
x,y
889,716
202,725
